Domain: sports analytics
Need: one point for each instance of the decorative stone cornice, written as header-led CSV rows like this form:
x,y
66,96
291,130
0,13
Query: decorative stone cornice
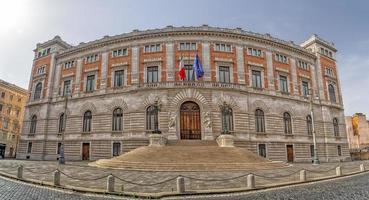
x,y
169,31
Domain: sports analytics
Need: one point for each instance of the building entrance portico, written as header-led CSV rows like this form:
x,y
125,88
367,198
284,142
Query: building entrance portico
x,y
190,121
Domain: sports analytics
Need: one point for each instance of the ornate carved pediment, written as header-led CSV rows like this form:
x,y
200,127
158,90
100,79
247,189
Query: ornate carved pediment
x,y
152,99
88,106
189,94
226,99
117,103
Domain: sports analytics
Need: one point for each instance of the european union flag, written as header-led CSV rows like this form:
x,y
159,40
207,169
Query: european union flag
x,y
197,67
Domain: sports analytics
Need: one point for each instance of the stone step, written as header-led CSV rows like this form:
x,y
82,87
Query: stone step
x,y
189,155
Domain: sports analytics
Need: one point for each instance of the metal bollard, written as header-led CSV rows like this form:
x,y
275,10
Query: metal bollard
x,y
110,183
20,172
251,181
302,175
338,171
56,178
362,167
181,185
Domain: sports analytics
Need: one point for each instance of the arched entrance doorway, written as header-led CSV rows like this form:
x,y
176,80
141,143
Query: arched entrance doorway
x,y
190,121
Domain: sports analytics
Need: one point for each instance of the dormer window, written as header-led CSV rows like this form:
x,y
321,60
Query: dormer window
x,y
223,47
281,58
185,46
120,52
69,64
91,58
326,52
43,52
41,70
152,48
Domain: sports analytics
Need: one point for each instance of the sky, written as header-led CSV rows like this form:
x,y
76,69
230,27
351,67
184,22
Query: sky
x,y
24,23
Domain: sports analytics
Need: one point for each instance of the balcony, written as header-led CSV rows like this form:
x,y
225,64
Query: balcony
x,y
192,84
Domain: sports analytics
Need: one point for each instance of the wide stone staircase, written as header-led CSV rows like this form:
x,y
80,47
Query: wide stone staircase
x,y
189,155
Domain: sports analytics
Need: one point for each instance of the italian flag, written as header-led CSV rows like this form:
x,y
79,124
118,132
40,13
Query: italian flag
x,y
182,71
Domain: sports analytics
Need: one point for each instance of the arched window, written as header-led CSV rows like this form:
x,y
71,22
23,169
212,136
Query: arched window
x,y
259,121
287,123
332,93
62,123
227,119
309,125
33,124
117,119
336,129
38,89
151,117
87,118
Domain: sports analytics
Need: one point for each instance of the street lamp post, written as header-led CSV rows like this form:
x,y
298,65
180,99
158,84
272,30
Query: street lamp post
x,y
61,153
315,158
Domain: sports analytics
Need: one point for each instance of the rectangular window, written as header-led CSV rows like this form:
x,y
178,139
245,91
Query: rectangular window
x,y
91,58
281,58
9,110
2,94
152,74
262,150
29,148
223,47
302,65
256,79
254,52
283,83
1,108
152,48
118,78
90,85
59,148
186,46
67,88
17,113
69,64
328,71
5,124
120,52
339,150
41,70
11,97
305,88
224,75
312,150
116,148
190,73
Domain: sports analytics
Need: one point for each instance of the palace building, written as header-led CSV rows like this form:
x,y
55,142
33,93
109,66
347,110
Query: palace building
x,y
100,98
12,102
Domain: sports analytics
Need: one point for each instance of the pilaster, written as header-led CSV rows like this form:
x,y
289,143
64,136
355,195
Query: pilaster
x,y
206,61
135,64
240,65
170,61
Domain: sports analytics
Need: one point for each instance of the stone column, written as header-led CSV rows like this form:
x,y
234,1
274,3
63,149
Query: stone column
x,y
78,75
135,65
51,76
170,61
270,71
318,71
56,83
294,76
240,65
206,61
314,84
104,70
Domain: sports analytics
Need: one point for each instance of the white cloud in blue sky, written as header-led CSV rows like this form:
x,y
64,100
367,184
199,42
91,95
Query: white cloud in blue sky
x,y
25,23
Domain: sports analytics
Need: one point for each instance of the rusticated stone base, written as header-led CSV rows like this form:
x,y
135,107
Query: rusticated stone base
x,y
157,140
225,140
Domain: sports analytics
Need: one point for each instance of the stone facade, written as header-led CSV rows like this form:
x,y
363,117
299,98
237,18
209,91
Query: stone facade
x,y
12,102
242,53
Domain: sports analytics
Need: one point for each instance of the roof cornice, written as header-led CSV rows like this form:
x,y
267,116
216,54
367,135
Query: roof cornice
x,y
204,30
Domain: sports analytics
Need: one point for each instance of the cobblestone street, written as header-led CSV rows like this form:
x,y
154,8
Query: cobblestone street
x,y
355,187
79,174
